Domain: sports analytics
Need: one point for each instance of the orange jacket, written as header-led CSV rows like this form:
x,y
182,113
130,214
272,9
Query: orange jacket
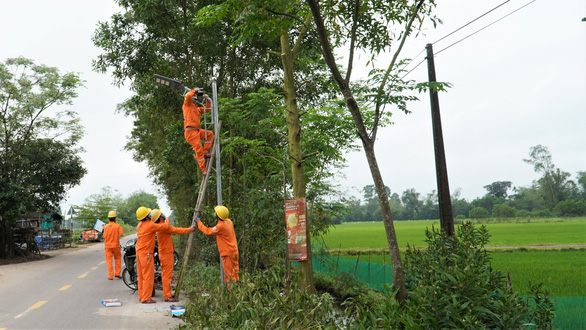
x,y
191,112
145,231
165,238
225,236
112,233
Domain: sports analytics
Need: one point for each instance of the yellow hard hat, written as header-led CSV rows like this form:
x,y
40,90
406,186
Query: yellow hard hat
x,y
112,214
142,212
222,212
155,214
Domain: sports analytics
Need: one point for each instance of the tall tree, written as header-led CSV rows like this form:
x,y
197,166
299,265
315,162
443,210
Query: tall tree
x,y
499,188
96,206
369,26
287,22
126,209
39,158
164,37
554,183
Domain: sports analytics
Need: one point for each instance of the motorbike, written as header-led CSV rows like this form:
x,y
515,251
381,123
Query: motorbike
x,y
129,269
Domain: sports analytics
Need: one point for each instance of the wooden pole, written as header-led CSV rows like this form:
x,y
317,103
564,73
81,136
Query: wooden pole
x,y
441,170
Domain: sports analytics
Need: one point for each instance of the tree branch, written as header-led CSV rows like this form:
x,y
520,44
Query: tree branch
x,y
377,112
311,154
353,39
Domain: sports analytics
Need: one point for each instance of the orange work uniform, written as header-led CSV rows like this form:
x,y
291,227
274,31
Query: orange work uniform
x,y
166,249
145,263
227,246
191,124
112,233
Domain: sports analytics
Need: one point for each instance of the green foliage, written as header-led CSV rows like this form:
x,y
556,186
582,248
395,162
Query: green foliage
x,y
260,301
478,212
39,159
97,206
499,188
453,285
126,208
503,211
543,307
570,208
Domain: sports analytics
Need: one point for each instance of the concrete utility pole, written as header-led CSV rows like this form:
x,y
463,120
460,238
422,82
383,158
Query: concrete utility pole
x,y
441,170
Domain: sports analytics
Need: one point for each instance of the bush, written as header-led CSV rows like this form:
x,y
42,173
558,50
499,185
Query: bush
x,y
452,284
570,208
503,211
478,212
522,214
261,301
541,214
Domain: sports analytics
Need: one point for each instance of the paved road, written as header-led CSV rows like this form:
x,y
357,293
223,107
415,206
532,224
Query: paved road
x,y
65,292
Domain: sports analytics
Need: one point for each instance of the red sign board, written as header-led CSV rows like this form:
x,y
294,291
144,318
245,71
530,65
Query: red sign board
x,y
296,229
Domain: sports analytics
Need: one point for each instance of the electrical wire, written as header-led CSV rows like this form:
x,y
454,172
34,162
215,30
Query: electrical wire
x,y
472,21
468,36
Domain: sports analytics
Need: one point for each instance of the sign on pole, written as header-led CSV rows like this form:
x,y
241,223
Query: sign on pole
x,y
295,217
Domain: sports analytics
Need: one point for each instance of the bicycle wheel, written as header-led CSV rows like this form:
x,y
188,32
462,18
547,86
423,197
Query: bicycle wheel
x,y
130,280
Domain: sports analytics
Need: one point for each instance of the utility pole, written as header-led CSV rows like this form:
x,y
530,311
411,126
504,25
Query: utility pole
x,y
441,170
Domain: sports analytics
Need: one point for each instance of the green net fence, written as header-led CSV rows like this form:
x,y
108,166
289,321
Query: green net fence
x,y
570,311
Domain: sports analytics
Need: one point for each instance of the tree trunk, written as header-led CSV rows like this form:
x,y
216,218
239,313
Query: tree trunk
x,y
368,144
295,152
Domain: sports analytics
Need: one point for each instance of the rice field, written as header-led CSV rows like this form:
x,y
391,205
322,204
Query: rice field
x,y
561,270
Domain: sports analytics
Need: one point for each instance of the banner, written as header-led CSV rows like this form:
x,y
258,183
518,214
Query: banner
x,y
296,229
99,226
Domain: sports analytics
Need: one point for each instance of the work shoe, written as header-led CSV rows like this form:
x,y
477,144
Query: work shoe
x,y
172,299
118,276
207,155
110,278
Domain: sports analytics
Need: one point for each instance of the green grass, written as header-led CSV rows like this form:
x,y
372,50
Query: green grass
x,y
371,235
563,273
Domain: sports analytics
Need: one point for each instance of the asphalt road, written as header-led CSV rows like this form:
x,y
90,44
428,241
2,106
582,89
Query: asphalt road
x,y
66,290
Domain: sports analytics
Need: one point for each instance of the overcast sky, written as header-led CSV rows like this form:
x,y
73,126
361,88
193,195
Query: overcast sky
x,y
518,83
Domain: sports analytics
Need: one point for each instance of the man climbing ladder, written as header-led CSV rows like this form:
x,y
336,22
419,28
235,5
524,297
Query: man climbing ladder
x,y
193,133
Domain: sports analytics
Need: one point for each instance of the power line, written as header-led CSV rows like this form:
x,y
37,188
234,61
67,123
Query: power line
x,y
468,36
472,21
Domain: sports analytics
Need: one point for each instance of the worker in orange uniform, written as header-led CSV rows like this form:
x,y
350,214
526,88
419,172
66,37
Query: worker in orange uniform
x,y
112,233
145,247
193,133
166,249
226,240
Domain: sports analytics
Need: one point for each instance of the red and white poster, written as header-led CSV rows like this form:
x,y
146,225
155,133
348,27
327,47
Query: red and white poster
x,y
296,229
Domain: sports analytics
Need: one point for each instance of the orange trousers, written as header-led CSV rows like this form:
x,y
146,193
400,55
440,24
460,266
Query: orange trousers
x,y
230,265
167,260
145,264
113,253
194,138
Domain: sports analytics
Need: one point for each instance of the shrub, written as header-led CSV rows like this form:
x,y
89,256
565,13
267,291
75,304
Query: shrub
x,y
503,211
261,301
522,214
570,208
478,212
452,284
541,214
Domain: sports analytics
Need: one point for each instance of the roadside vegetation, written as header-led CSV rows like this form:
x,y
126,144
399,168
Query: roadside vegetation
x,y
451,284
